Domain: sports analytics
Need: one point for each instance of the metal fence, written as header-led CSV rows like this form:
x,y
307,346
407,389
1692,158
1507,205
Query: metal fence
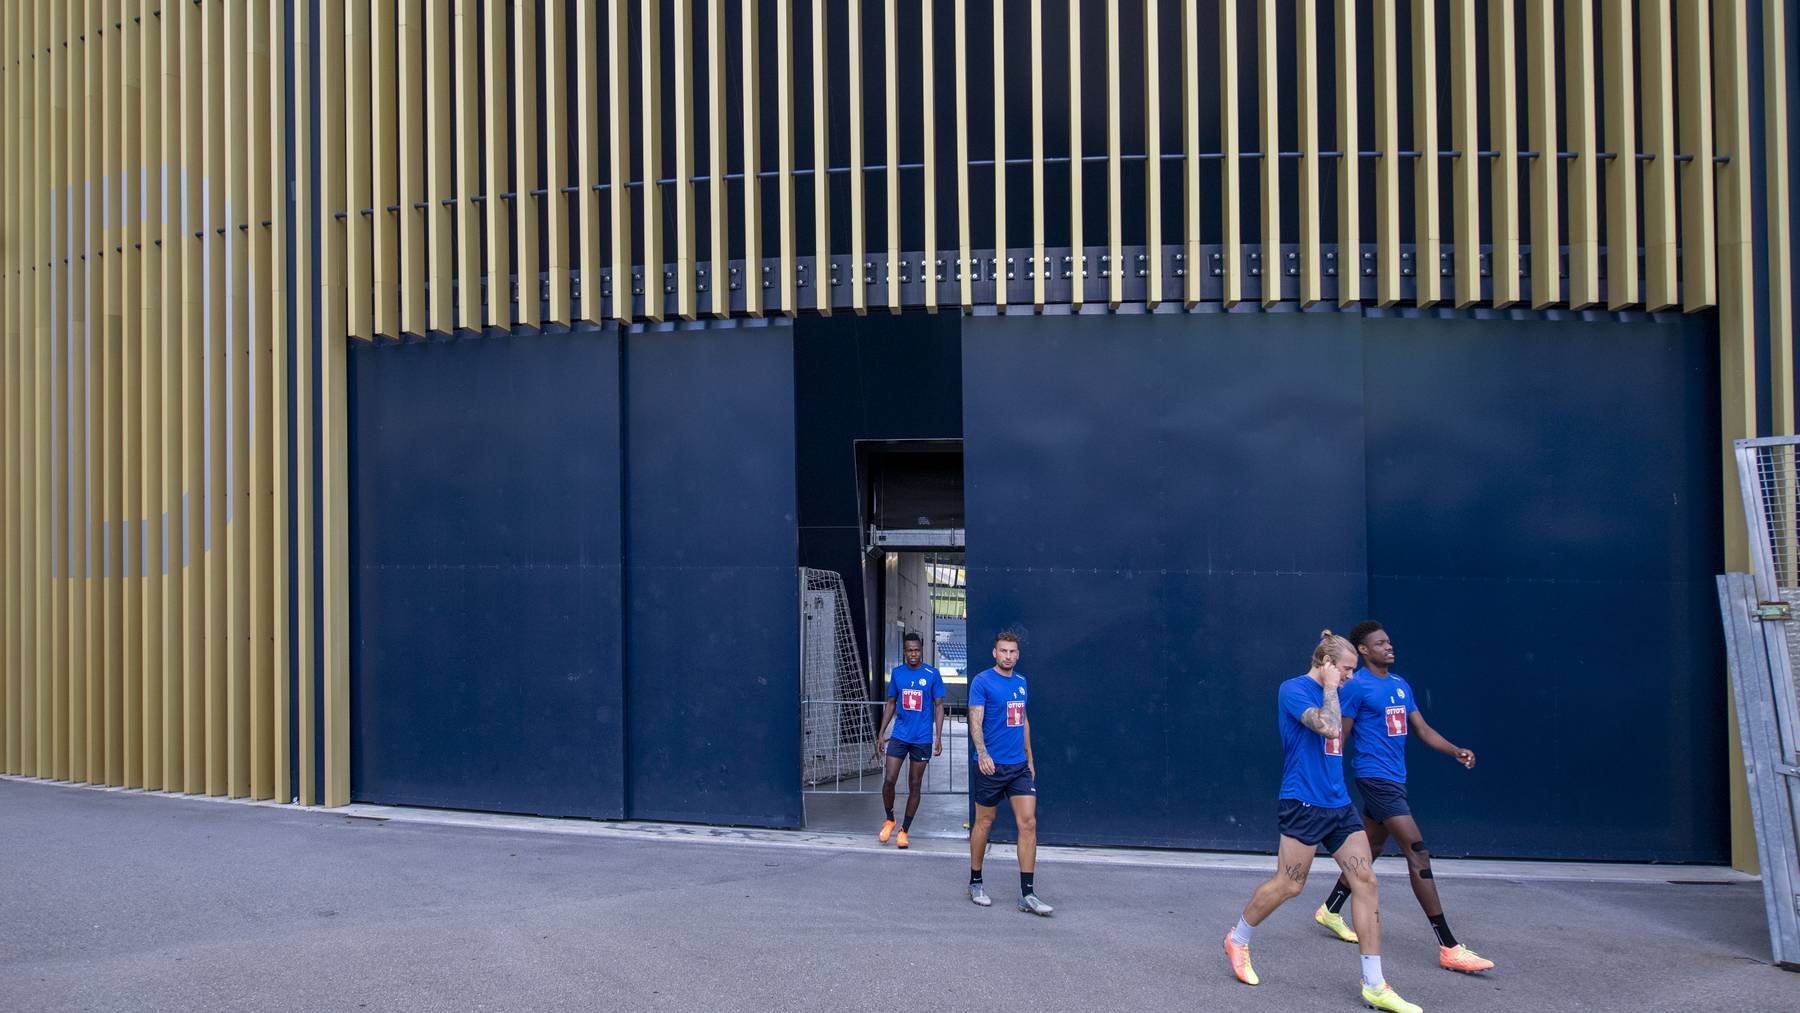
x,y
1763,647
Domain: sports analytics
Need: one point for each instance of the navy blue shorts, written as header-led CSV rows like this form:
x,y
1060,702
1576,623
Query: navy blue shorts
x,y
1008,779
919,752
1314,824
1382,798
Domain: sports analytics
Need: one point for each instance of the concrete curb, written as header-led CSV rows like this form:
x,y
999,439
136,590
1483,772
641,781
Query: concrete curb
x,y
942,848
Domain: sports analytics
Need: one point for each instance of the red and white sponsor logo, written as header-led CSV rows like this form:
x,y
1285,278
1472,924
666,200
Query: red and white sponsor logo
x,y
1396,721
912,699
1015,713
1334,746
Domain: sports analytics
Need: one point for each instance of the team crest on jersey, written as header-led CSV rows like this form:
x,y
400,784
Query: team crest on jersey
x,y
1402,693
1334,746
1396,722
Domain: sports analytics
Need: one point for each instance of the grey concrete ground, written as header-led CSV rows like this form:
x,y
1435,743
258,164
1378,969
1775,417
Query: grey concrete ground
x,y
120,901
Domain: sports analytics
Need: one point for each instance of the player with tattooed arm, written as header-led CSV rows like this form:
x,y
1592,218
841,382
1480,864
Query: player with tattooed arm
x,y
1314,808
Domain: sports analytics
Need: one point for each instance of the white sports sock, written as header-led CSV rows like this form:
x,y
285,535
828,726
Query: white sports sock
x,y
1241,934
1372,970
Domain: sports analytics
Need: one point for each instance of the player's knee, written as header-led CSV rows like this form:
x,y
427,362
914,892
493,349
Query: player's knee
x,y
984,820
1362,877
889,780
1289,887
1027,823
1419,857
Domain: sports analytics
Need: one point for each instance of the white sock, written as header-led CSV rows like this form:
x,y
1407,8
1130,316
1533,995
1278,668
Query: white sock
x,y
1372,970
1241,934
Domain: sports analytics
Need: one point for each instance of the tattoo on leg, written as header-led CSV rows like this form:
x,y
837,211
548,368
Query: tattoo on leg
x,y
1296,872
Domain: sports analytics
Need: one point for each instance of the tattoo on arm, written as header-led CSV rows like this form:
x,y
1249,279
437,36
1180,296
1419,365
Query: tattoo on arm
x,y
1326,720
975,730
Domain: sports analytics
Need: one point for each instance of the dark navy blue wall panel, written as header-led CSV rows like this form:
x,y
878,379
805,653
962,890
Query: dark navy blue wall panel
x,y
1170,507
1544,518
712,629
485,554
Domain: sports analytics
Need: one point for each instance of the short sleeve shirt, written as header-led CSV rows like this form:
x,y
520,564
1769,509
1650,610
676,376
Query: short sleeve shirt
x,y
1003,720
1312,768
1382,709
914,691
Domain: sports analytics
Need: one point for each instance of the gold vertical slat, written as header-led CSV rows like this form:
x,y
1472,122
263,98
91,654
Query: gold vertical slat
x,y
1306,21
1231,169
468,162
753,210
278,344
787,269
194,650
1503,140
386,140
1077,249
1546,240
859,224
150,393
1582,178
650,57
587,127
36,410
497,208
891,119
329,335
29,426
132,511
57,573
1190,166
1694,60
526,146
14,199
112,526
1153,155
1268,100
1656,83
965,263
333,549
719,244
1780,242
217,638
618,86
1349,166
821,159
1387,158
1429,283
556,152
8,274
359,155
1039,268
1465,169
412,96
236,361
170,253
1002,272
14,205
1616,24
258,435
685,262
14,209
1737,302
928,266
1115,176
75,30
440,165
308,223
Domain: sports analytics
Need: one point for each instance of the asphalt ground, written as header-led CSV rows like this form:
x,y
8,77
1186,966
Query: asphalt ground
x,y
116,900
